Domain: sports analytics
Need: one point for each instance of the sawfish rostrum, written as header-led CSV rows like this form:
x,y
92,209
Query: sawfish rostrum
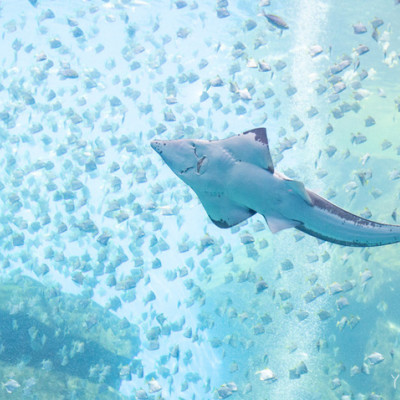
x,y
234,178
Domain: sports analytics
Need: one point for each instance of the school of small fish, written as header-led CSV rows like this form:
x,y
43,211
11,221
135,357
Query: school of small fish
x,y
114,284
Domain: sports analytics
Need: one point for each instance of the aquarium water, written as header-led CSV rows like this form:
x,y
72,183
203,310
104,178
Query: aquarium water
x,y
114,281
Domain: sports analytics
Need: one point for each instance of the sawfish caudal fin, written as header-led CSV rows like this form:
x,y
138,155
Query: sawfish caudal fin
x,y
331,223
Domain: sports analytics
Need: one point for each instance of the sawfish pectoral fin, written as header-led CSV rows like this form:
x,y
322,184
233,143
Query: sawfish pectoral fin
x,y
276,224
223,212
251,147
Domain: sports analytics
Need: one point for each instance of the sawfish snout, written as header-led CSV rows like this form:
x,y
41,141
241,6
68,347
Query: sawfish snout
x,y
157,145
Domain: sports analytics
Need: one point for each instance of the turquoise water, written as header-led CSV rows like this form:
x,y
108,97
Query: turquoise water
x,y
114,282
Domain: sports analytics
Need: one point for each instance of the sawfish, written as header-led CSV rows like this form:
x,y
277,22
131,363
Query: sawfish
x,y
234,179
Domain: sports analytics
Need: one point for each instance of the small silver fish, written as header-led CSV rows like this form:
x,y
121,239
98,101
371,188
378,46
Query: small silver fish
x,y
276,21
11,385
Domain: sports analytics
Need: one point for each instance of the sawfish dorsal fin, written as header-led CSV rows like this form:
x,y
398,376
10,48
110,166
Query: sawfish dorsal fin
x,y
296,187
223,212
299,188
252,147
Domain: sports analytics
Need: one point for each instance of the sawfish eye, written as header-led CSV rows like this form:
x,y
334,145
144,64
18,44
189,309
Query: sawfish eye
x,y
202,165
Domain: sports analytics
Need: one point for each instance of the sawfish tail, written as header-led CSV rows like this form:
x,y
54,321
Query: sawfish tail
x,y
329,222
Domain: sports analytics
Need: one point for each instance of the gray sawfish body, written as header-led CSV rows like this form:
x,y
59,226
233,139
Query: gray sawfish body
x,y
234,178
